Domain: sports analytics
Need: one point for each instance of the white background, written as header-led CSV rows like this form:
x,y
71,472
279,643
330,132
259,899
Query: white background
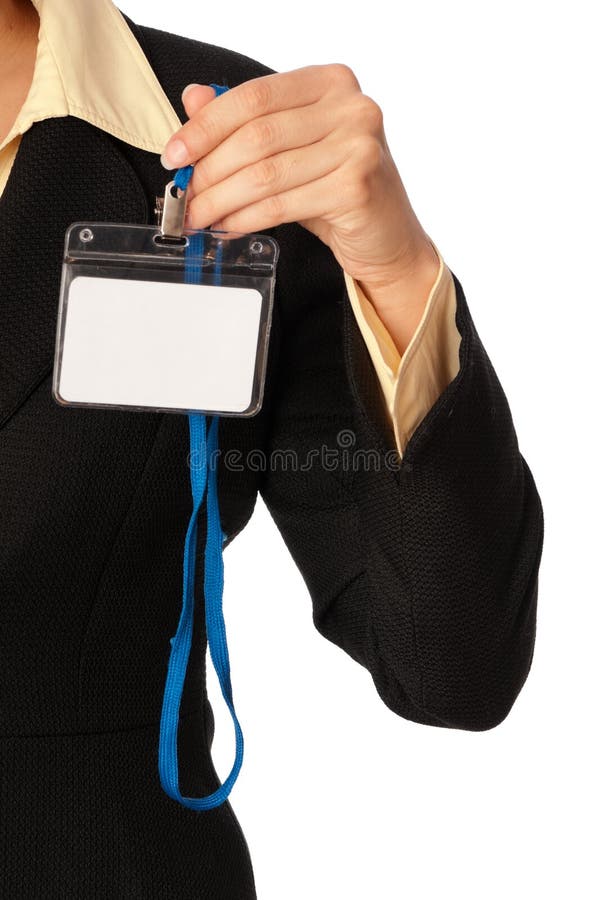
x,y
490,114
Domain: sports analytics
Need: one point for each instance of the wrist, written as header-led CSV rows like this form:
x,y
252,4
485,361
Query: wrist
x,y
399,297
398,285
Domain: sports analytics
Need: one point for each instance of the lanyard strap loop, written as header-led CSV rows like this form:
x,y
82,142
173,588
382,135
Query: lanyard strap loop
x,y
203,466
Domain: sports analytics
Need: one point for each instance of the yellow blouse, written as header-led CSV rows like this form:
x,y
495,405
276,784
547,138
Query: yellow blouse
x,y
89,65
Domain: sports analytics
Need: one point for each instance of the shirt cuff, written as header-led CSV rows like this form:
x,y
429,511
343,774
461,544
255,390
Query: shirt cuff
x,y
412,383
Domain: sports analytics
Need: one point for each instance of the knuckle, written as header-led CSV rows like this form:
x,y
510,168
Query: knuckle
x,y
356,191
276,207
266,173
203,129
262,133
370,113
342,74
257,96
369,152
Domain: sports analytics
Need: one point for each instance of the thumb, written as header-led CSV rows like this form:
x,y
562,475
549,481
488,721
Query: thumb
x,y
194,96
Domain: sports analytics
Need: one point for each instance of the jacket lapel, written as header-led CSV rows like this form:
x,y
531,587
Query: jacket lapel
x,y
65,171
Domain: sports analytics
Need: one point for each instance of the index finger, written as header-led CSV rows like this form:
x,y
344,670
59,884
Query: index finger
x,y
257,97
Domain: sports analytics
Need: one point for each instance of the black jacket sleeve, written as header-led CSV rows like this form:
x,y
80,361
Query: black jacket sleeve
x,y
424,570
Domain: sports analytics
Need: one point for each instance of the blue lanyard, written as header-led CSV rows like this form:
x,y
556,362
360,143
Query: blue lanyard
x,y
203,475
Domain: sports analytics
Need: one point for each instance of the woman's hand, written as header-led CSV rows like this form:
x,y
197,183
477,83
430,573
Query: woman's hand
x,y
308,146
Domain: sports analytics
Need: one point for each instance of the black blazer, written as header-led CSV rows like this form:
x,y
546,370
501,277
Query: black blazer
x,y
425,573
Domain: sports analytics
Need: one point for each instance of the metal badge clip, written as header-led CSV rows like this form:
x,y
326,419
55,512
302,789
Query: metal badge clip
x,y
172,211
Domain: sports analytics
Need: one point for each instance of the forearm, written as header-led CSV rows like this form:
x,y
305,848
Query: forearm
x,y
453,560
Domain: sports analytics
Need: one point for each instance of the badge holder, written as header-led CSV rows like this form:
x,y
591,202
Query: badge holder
x,y
161,319
172,320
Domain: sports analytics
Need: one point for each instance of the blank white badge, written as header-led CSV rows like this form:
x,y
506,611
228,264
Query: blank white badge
x,y
160,345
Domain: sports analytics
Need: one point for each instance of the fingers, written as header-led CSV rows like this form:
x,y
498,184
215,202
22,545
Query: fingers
x,y
314,200
273,175
195,96
215,121
263,137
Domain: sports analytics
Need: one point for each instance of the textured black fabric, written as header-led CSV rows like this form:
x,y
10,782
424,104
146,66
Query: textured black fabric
x,y
83,817
426,574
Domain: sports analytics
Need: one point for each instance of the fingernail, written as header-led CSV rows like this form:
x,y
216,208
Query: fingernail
x,y
188,88
174,155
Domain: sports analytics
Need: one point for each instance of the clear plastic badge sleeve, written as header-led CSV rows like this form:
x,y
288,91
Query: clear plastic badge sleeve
x,y
134,334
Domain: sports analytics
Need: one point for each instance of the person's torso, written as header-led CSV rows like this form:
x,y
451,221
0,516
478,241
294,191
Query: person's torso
x,y
94,504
